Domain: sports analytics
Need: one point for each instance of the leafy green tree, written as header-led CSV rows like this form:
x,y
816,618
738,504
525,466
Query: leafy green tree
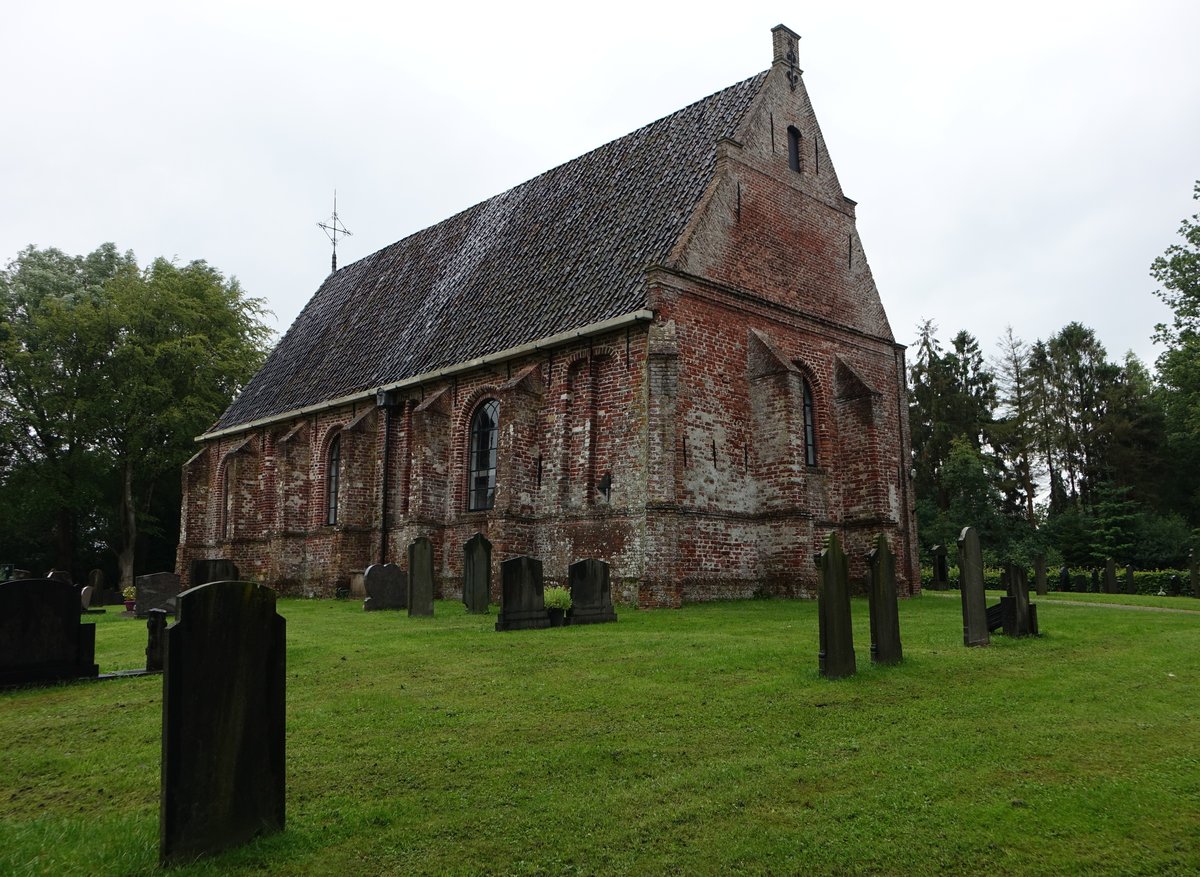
x,y
1014,432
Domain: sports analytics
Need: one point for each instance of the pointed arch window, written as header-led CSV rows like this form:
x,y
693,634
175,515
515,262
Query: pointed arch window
x,y
481,483
810,428
333,469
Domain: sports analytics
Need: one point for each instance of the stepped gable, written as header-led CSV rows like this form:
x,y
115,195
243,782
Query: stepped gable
x,y
561,251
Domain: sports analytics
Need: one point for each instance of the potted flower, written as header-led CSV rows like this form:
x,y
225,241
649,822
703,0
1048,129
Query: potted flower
x,y
129,592
558,601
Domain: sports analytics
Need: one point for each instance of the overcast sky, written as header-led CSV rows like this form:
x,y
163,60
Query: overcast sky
x,y
1014,164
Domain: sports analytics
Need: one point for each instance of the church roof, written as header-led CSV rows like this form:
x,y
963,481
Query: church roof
x,y
564,250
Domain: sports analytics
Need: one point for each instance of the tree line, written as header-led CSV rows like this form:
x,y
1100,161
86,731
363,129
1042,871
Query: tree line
x,y
1053,446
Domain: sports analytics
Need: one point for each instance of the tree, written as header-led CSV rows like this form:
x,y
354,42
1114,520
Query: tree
x,y
1013,434
108,373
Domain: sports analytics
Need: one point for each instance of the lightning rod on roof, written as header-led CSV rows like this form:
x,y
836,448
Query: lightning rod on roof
x,y
332,228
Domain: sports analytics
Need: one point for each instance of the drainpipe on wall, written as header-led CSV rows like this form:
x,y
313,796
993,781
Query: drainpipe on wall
x,y
384,402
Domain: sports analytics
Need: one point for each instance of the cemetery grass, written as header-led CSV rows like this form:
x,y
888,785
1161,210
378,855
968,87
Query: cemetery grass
x,y
693,741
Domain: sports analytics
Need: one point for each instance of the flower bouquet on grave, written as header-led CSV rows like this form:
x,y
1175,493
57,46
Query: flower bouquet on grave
x,y
129,593
557,601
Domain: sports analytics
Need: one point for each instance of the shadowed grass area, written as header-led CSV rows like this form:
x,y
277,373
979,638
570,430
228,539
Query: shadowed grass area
x,y
697,741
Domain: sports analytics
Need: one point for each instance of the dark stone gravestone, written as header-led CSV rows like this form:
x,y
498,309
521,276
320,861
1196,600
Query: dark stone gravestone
x,y
1110,576
96,579
1194,572
212,570
158,590
1079,584
60,575
1094,588
41,637
1039,575
85,597
522,595
1130,584
885,614
223,721
477,574
591,593
156,626
974,599
1064,580
1017,620
420,578
835,660
387,587
1176,586
941,569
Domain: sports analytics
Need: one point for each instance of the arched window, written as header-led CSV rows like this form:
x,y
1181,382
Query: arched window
x,y
333,470
793,148
810,428
481,484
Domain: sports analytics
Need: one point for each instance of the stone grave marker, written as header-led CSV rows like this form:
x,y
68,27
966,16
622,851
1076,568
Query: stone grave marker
x,y
1018,592
212,570
1064,579
60,575
1110,576
85,597
835,660
1130,584
1079,584
358,588
885,614
591,593
387,587
420,578
222,776
522,595
1039,575
941,569
96,579
1175,588
477,574
158,590
1094,588
156,627
41,636
974,599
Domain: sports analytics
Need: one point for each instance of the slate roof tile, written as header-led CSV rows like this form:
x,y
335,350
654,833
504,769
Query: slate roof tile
x,y
563,250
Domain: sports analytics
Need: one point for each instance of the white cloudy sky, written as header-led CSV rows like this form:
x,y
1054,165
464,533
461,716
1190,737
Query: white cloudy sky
x,y
1017,163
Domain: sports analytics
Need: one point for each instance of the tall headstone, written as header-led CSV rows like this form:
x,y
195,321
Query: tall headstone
x,y
158,590
591,593
85,597
885,614
1064,579
974,598
1110,576
1130,584
156,627
1194,571
835,660
1095,586
1039,575
96,579
522,595
386,586
477,574
1175,587
223,721
1018,623
41,637
420,577
941,569
212,570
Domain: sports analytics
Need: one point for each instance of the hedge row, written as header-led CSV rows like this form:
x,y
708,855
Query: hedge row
x,y
1144,581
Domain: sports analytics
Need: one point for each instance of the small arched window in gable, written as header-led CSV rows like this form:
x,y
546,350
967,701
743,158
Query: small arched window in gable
x,y
481,483
227,506
333,470
810,428
793,148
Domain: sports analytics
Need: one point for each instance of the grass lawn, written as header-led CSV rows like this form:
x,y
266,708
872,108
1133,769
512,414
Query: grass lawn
x,y
693,741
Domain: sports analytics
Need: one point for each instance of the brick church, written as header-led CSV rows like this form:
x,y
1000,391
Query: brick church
x,y
668,353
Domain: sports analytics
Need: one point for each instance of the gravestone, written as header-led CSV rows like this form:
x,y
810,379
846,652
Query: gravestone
x,y
1039,575
357,587
41,637
60,575
1194,571
387,587
1018,622
885,614
158,590
156,627
1064,579
1110,576
223,721
1130,584
522,595
1095,586
85,597
420,578
213,570
477,574
941,569
591,593
835,660
1175,588
1080,584
974,599
96,579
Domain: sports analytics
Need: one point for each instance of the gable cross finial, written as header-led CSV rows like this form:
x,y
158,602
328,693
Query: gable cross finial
x,y
332,228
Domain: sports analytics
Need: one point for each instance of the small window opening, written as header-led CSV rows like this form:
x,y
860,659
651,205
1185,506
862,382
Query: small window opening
x,y
333,469
481,487
810,432
793,148
227,495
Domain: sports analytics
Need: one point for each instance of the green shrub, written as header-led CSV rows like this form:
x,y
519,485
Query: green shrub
x,y
557,597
